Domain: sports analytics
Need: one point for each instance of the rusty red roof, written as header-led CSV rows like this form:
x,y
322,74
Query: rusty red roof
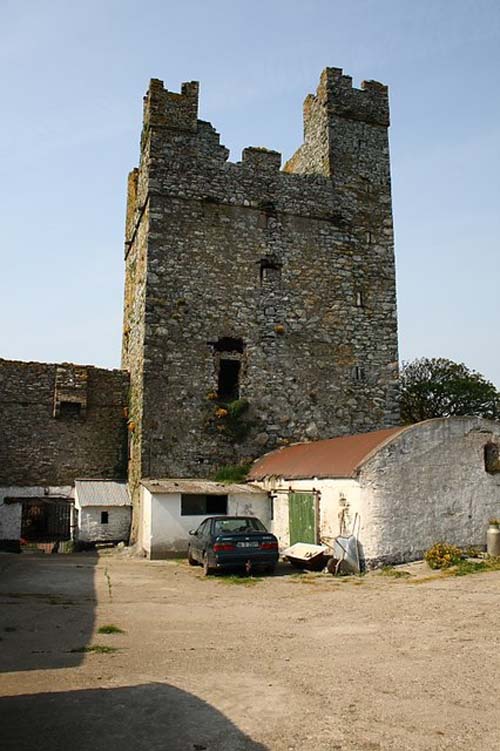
x,y
333,457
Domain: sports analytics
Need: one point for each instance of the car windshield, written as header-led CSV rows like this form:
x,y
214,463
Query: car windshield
x,y
230,526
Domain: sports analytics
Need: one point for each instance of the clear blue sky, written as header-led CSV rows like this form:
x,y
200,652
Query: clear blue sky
x,y
73,76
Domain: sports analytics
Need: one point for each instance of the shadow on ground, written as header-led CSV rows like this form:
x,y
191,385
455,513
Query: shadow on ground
x,y
156,717
47,609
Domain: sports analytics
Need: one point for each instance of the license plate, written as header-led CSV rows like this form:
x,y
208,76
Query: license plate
x,y
248,544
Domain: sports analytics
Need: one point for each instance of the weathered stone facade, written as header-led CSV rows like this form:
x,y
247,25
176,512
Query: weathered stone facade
x,y
60,422
245,281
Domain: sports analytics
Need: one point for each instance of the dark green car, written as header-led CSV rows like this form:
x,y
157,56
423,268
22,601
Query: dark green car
x,y
232,542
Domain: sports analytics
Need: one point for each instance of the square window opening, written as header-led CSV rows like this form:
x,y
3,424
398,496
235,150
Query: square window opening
x,y
270,272
104,517
199,504
70,409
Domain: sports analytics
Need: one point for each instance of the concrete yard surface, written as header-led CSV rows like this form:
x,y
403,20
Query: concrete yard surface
x,y
289,662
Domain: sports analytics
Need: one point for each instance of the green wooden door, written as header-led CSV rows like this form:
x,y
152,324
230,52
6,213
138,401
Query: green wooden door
x,y
301,518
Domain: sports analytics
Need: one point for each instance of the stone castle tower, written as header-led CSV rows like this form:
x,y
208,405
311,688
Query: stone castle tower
x,y
260,303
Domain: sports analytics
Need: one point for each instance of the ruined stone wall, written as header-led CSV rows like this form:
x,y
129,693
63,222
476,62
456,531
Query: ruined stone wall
x,y
295,268
60,422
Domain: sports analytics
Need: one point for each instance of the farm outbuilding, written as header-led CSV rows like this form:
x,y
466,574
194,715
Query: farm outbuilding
x,y
400,489
39,515
170,508
103,511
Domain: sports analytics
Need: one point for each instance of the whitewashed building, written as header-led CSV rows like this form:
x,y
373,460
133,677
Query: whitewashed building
x,y
401,489
170,508
103,511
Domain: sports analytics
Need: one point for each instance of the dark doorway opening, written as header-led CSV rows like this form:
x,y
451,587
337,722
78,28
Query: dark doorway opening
x,y
229,380
45,521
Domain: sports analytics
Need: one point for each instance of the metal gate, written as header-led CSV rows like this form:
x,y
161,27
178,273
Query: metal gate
x,y
302,517
45,520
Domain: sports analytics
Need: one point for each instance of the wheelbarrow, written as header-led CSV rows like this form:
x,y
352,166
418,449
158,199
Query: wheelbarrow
x,y
307,556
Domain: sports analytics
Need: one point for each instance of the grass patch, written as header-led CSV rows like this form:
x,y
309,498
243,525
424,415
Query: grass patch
x,y
462,568
110,628
469,567
108,581
395,573
475,567
97,648
246,581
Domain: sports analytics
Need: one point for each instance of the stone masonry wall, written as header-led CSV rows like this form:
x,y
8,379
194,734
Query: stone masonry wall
x,y
60,422
290,273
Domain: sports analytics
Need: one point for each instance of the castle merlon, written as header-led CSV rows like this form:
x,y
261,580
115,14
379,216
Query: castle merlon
x,y
259,159
170,109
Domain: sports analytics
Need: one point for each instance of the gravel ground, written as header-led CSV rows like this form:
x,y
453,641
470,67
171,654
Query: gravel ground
x,y
286,662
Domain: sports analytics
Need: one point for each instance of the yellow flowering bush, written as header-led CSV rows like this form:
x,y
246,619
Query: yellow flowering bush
x,y
220,413
443,555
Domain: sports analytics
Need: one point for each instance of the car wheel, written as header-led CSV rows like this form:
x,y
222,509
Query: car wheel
x,y
270,569
207,569
192,561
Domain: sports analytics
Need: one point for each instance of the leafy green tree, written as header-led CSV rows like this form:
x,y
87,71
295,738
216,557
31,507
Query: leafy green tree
x,y
436,387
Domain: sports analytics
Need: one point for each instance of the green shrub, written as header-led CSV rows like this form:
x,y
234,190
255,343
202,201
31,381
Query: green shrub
x,y
443,555
232,473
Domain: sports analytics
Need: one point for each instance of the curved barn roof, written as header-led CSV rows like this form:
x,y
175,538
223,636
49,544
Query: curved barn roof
x,y
333,457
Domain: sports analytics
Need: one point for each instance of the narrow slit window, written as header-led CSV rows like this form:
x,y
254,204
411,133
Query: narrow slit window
x,y
359,373
229,380
104,517
360,301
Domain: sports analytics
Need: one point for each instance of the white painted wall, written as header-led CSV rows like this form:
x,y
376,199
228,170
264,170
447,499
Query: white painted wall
x,y
166,533
427,485
11,513
117,529
145,528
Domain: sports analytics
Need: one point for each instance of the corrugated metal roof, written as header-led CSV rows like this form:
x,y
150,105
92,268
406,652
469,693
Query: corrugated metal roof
x,y
205,487
102,493
333,457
